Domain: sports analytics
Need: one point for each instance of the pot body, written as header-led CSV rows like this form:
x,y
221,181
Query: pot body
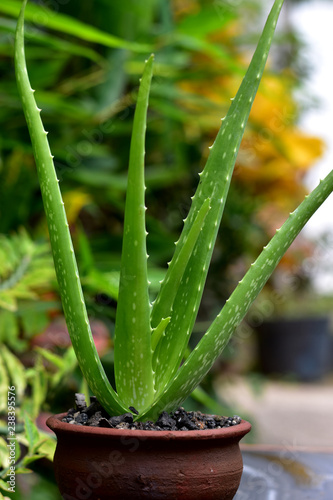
x,y
100,464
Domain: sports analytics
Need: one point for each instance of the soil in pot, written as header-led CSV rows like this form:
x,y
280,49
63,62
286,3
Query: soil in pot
x,y
95,416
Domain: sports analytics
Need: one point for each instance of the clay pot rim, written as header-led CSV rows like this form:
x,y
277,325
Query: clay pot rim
x,y
57,426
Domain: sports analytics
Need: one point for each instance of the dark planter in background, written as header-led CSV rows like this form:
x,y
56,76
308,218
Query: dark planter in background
x,y
94,463
296,347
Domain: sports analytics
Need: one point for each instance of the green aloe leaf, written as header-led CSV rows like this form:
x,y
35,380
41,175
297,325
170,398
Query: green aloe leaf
x,y
61,243
163,304
132,348
214,184
213,342
159,331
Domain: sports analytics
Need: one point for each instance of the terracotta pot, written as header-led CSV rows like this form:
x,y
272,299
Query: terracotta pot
x,y
100,464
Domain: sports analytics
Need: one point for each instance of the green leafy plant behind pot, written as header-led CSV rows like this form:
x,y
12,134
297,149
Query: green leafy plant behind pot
x,y
151,339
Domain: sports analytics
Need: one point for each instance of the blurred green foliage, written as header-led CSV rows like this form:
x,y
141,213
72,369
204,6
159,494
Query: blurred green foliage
x,y
84,60
26,269
27,391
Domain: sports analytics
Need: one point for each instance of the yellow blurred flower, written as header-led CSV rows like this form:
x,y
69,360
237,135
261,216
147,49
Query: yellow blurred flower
x,y
74,201
275,154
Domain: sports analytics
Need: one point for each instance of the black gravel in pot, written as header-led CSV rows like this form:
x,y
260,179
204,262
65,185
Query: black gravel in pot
x,y
94,415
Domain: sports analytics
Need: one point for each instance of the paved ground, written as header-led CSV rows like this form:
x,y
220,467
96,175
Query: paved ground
x,y
285,414
280,474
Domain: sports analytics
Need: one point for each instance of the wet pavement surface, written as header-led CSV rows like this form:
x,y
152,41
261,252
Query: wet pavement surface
x,y
286,473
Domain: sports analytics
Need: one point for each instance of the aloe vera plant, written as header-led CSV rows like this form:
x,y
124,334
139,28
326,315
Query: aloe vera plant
x,y
151,339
